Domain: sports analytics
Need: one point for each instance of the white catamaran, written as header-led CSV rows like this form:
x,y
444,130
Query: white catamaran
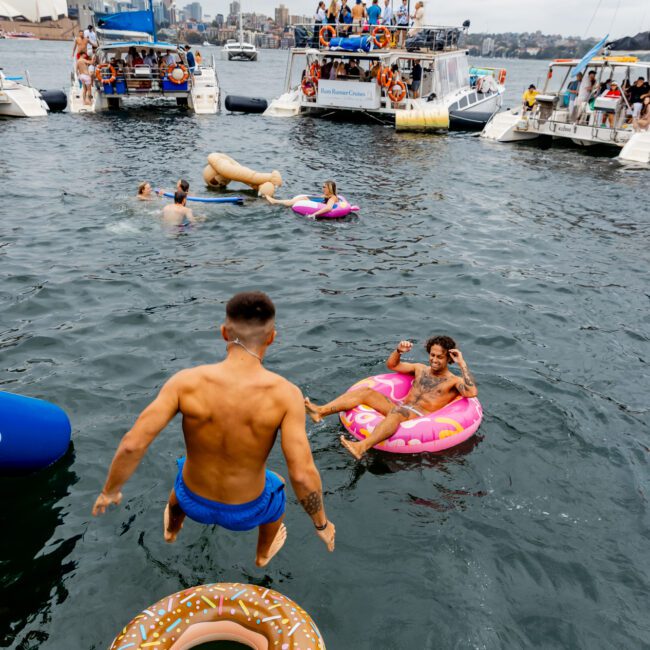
x,y
582,107
417,82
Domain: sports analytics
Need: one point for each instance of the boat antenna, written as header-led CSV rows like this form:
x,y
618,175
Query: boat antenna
x,y
153,21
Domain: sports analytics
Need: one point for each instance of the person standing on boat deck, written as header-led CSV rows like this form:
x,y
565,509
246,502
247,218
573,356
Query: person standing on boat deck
x,y
416,78
585,91
387,14
613,92
418,19
80,45
530,97
572,89
224,479
332,12
358,15
83,73
434,386
374,13
191,61
402,21
320,17
169,58
91,36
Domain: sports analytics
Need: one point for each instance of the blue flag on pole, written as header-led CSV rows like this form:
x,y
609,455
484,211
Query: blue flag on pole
x,y
584,62
130,21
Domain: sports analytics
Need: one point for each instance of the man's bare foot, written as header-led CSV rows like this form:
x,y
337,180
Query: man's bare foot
x,y
168,534
277,543
312,411
355,448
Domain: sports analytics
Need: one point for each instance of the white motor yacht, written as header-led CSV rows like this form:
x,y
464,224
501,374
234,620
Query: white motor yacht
x,y
19,100
417,82
601,118
239,51
118,83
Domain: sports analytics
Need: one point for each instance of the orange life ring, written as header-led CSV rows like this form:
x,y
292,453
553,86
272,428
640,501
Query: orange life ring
x,y
324,30
391,93
385,77
314,70
381,29
502,76
308,85
100,77
171,69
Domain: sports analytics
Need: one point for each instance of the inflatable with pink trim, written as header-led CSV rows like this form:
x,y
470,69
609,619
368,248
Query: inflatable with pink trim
x,y
437,431
309,205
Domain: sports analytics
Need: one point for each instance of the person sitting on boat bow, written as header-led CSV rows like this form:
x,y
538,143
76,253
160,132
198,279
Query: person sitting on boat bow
x,y
434,386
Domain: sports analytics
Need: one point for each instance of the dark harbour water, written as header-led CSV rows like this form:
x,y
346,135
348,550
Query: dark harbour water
x,y
534,534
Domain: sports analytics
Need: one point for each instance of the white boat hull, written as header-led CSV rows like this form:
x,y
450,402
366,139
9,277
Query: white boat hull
x,y
17,100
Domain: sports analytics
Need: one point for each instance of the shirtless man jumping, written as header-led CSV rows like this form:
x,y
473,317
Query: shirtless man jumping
x,y
231,411
434,386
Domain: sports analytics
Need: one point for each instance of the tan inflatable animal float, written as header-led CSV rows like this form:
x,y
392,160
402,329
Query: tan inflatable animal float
x,y
222,169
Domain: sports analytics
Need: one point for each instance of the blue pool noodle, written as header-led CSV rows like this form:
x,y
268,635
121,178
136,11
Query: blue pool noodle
x,y
33,433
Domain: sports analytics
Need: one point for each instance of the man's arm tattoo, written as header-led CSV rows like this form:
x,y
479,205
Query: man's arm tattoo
x,y
312,503
467,377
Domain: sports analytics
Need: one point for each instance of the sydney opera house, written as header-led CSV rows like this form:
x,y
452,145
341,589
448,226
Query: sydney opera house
x,y
46,19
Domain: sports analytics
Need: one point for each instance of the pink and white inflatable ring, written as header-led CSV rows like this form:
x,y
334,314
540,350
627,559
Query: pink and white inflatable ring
x,y
437,431
308,206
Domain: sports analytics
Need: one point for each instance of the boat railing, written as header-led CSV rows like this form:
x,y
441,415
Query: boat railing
x,y
434,38
141,80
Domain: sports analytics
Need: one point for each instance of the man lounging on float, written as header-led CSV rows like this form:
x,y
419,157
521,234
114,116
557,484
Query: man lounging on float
x,y
231,415
434,386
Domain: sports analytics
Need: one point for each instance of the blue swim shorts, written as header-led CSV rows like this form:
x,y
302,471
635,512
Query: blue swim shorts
x,y
267,508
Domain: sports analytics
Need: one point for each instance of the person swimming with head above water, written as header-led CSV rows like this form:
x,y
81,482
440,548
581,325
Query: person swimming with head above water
x,y
232,412
176,213
145,192
434,386
329,199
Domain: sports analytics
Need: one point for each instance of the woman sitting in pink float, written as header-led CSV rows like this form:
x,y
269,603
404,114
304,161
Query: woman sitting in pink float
x,y
412,414
329,205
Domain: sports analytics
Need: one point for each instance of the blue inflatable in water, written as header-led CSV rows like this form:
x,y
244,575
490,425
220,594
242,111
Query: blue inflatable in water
x,y
209,199
33,433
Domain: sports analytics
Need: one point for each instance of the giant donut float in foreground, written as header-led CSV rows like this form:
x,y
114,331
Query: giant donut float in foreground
x,y
256,617
437,431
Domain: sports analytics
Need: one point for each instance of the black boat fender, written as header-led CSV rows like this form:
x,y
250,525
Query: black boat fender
x,y
56,100
240,104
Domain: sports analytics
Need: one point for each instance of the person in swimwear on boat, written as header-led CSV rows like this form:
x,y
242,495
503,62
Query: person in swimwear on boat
x,y
329,198
83,73
434,386
232,412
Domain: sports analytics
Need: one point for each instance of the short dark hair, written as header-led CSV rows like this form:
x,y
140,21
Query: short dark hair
x,y
445,342
179,196
253,307
185,186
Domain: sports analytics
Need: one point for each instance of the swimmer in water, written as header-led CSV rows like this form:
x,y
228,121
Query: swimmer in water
x,y
329,199
145,193
232,412
434,386
176,214
181,186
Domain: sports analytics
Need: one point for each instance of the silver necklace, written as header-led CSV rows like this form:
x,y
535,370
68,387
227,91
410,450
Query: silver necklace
x,y
238,342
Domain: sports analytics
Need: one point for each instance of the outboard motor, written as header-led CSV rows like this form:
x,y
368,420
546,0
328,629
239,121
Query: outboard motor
x,y
56,100
239,104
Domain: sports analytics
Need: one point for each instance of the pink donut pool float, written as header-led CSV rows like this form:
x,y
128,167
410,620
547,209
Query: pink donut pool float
x,y
310,205
437,431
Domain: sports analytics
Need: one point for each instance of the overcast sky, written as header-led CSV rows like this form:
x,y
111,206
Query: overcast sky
x,y
568,17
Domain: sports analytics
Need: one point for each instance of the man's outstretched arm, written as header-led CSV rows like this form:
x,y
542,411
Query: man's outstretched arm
x,y
135,443
395,363
466,385
303,474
